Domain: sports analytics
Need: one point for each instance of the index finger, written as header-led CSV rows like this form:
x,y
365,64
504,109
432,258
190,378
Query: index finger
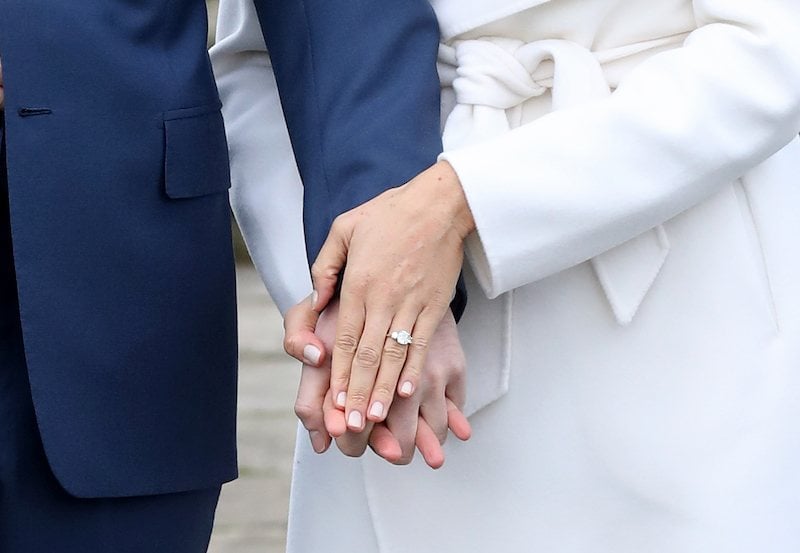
x,y
309,405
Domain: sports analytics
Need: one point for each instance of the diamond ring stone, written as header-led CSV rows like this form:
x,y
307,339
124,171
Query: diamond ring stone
x,y
402,337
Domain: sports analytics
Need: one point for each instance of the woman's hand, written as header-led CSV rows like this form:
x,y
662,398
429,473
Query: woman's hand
x,y
423,419
404,251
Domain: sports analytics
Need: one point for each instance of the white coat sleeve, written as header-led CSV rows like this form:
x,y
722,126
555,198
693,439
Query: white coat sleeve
x,y
266,191
577,182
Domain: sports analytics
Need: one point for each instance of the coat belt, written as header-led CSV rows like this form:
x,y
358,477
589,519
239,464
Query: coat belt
x,y
493,78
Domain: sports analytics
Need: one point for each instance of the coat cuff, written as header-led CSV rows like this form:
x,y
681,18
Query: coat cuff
x,y
481,246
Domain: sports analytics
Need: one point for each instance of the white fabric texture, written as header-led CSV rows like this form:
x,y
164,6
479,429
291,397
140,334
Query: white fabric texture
x,y
495,76
634,383
266,192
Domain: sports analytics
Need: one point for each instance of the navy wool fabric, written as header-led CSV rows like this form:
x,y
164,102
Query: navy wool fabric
x,y
371,88
36,514
117,183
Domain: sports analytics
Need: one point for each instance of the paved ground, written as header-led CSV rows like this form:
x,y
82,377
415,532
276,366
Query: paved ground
x,y
213,7
252,513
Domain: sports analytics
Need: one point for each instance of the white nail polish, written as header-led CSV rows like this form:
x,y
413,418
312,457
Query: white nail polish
x,y
314,298
407,388
376,410
341,399
354,420
311,354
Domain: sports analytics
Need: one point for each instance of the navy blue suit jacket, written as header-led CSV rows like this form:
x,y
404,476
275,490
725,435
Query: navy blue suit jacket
x,y
117,174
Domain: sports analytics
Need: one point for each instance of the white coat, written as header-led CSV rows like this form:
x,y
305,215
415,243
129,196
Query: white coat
x,y
633,331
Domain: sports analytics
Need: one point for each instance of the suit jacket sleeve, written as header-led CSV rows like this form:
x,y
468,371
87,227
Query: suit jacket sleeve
x,y
682,124
360,93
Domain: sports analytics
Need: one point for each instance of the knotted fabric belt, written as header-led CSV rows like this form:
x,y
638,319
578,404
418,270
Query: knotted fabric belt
x,y
493,78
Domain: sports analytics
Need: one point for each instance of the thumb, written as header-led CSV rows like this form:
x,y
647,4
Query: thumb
x,y
329,265
299,339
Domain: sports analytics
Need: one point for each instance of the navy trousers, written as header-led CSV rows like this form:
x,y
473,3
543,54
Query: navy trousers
x,y
36,514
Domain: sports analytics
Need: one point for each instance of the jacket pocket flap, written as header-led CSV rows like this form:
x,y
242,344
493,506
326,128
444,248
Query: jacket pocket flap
x,y
196,152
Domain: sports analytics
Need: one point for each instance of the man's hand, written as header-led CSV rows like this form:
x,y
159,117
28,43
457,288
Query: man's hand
x,y
301,342
404,251
420,421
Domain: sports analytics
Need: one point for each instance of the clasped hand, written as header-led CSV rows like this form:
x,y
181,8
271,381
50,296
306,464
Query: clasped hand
x,y
420,421
404,251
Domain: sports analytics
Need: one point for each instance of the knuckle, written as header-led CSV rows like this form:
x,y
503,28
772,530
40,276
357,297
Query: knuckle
x,y
317,271
321,272
340,381
440,298
368,357
290,344
358,397
304,411
339,223
347,342
394,351
434,380
420,344
357,283
384,390
457,371
412,370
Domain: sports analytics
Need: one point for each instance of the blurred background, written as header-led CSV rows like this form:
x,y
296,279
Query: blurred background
x,y
252,512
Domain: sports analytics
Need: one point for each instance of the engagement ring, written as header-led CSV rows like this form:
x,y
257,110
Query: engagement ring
x,y
402,337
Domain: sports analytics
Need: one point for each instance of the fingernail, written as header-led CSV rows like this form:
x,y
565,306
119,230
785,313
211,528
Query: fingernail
x,y
317,441
341,399
407,388
354,420
314,298
311,354
376,411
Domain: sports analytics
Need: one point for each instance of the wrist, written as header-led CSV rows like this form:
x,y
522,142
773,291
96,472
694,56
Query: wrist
x,y
445,188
